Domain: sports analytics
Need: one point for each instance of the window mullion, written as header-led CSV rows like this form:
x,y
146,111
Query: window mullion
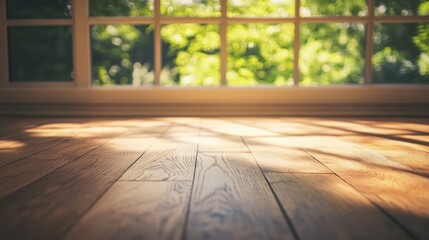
x,y
369,42
81,44
223,43
4,70
296,44
157,43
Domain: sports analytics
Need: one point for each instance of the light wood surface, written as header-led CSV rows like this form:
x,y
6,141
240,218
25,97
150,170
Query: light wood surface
x,y
322,206
214,178
231,200
137,210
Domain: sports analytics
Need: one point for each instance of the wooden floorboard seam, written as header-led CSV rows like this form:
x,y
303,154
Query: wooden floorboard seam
x,y
78,219
56,168
386,213
188,206
282,209
285,215
16,160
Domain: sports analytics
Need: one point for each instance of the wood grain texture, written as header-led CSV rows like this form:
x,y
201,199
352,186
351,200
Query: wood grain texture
x,y
232,200
231,127
48,207
394,187
167,159
322,206
20,173
222,143
44,133
24,147
404,153
137,210
274,155
59,182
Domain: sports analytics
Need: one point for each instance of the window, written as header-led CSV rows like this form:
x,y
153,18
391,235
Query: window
x,y
215,42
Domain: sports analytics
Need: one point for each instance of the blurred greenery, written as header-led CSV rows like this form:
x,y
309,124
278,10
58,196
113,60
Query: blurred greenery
x,y
25,9
190,8
333,7
404,61
190,54
404,8
40,53
260,54
121,7
122,54
332,53
275,8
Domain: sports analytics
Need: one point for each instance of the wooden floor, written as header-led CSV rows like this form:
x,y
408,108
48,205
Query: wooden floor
x,y
214,178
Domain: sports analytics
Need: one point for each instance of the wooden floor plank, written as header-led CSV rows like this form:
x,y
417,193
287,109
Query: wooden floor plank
x,y
13,150
232,127
222,143
274,155
48,207
394,187
171,157
322,206
21,173
166,160
137,210
335,177
232,200
398,151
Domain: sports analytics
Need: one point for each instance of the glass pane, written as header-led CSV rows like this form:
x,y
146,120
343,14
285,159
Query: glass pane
x,y
274,8
25,9
122,55
333,8
190,8
260,54
121,8
404,61
190,55
40,53
332,53
404,8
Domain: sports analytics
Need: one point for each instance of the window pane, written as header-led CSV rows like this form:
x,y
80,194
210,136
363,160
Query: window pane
x,y
260,54
190,8
40,53
404,61
333,7
275,8
122,55
121,8
332,53
404,8
26,9
190,55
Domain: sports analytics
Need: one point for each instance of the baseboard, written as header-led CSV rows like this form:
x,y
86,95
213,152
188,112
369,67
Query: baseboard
x,y
150,110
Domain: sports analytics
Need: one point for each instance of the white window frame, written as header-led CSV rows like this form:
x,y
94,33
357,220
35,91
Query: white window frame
x,y
81,91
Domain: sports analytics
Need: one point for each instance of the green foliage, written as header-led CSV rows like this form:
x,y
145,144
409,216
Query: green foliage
x,y
190,8
122,54
35,56
121,7
401,61
27,9
395,7
332,53
281,8
190,55
333,7
259,53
